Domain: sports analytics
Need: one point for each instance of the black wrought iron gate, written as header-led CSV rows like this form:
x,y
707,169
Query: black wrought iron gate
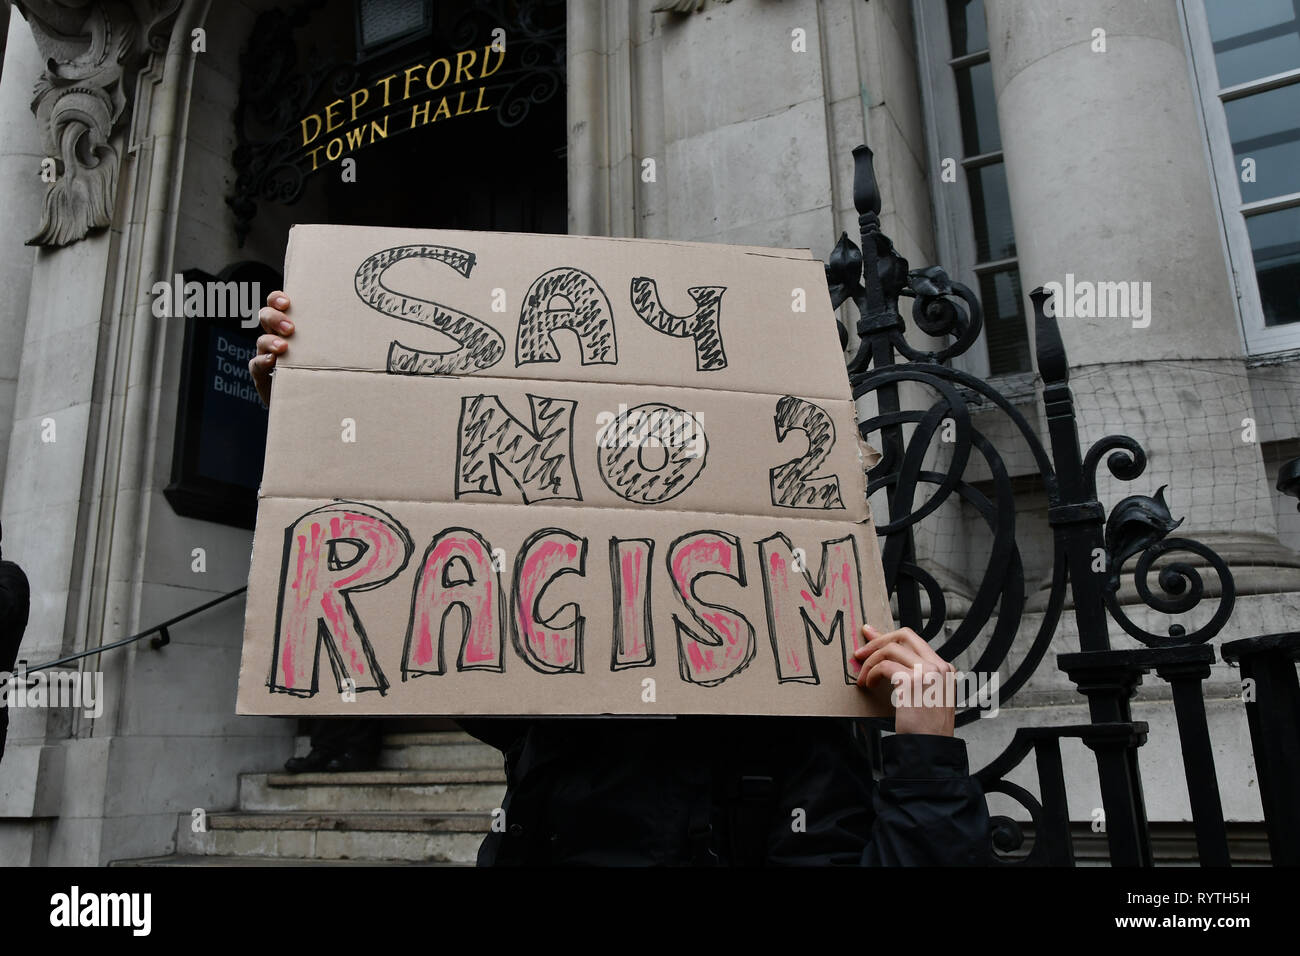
x,y
1090,547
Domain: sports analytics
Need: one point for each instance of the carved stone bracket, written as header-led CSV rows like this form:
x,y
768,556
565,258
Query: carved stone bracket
x,y
92,51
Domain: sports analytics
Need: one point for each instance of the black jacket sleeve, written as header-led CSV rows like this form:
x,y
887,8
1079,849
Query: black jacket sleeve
x,y
929,810
15,601
503,733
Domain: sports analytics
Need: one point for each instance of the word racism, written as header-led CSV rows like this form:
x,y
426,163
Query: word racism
x,y
208,300
459,598
74,909
393,92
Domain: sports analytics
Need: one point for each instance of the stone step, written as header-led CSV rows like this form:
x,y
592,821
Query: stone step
x,y
412,791
241,861
438,755
428,750
302,743
433,737
447,837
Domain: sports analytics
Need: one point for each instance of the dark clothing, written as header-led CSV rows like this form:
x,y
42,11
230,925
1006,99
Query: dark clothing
x,y
15,601
731,791
336,735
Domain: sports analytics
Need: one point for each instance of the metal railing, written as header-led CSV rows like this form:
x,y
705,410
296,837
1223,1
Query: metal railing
x,y
162,637
970,471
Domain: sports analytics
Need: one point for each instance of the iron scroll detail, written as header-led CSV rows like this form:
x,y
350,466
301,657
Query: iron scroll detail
x,y
933,426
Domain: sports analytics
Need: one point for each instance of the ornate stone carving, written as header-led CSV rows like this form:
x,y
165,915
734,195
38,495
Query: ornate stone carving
x,y
92,50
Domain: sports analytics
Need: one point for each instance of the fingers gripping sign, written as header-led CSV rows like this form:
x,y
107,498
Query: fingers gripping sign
x,y
277,326
903,660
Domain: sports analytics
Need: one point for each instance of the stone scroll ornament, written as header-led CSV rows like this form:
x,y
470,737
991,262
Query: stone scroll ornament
x,y
92,52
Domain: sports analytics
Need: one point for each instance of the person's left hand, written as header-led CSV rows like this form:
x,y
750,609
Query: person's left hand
x,y
894,658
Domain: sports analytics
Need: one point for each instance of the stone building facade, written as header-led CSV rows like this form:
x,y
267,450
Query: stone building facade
x,y
1011,140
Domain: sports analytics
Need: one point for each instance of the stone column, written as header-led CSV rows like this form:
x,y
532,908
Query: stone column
x,y
1109,182
4,32
20,208
49,339
613,90
75,437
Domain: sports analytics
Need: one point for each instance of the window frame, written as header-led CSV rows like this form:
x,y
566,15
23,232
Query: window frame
x,y
954,224
1257,338
380,48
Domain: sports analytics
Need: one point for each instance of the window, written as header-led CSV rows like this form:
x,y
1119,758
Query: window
x,y
382,24
976,237
1246,60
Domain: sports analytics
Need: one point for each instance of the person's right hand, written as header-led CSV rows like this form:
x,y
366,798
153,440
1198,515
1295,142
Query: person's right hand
x,y
269,346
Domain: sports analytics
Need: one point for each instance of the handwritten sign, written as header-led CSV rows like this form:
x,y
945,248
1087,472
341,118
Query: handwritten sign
x,y
518,474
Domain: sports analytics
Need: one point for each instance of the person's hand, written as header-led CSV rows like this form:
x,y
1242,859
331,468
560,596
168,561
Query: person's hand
x,y
278,328
903,660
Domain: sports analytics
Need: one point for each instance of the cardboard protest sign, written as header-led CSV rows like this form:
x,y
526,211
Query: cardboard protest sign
x,y
521,474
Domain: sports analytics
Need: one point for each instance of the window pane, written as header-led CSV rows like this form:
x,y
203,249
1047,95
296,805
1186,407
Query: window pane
x,y
1275,241
1253,39
966,26
979,111
1004,322
384,20
990,208
1266,128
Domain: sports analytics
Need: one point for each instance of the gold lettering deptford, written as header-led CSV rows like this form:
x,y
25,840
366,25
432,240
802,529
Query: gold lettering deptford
x,y
364,131
357,104
466,68
446,73
406,95
385,81
331,124
436,75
